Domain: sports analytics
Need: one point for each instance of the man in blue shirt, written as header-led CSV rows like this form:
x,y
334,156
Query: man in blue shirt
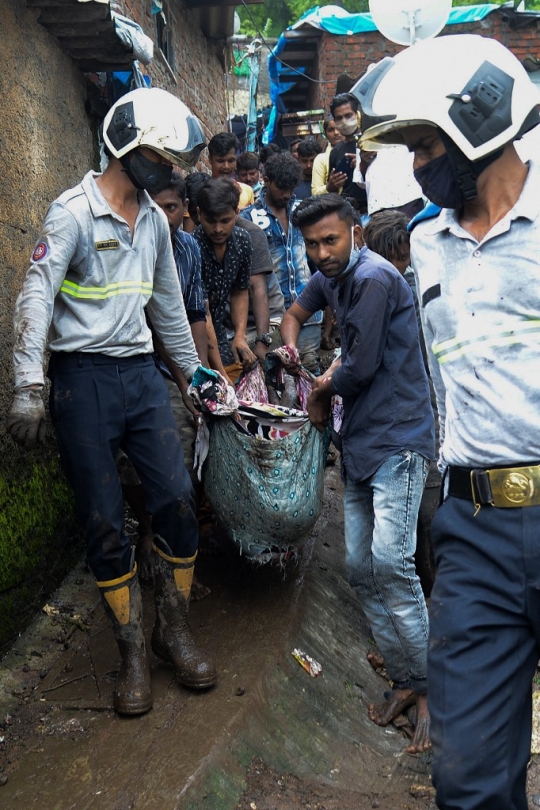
x,y
387,437
273,214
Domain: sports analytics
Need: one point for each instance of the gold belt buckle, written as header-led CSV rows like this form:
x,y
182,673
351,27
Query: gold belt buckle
x,y
515,486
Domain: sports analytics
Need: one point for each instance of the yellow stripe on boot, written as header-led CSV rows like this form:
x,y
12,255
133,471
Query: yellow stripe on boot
x,y
182,570
116,594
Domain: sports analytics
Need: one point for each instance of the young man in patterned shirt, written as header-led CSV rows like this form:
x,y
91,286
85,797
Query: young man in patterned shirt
x,y
226,254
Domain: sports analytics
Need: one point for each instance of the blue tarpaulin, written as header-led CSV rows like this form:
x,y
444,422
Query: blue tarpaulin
x,y
335,20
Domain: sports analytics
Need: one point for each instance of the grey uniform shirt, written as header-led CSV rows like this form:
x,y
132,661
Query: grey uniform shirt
x,y
90,280
480,308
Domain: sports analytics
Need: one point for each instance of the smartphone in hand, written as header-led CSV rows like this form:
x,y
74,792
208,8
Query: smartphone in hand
x,y
345,166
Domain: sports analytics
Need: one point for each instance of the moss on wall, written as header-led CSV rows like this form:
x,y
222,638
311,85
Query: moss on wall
x,y
46,145
38,540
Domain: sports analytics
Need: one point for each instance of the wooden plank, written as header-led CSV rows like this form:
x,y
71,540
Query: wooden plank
x,y
74,4
100,54
306,56
94,65
74,29
206,3
306,35
83,14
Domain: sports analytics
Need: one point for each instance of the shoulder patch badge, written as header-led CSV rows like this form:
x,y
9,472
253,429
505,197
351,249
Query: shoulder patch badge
x,y
109,244
40,251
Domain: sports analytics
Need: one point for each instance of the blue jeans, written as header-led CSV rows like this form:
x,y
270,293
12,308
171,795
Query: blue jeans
x,y
380,538
309,344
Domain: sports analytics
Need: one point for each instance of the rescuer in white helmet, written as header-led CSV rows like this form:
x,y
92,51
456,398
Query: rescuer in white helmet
x,y
458,103
103,256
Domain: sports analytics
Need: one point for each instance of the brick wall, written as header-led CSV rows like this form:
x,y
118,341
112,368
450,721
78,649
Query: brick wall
x,y
198,78
353,54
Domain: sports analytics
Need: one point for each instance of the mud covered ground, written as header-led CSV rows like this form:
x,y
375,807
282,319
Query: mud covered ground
x,y
268,737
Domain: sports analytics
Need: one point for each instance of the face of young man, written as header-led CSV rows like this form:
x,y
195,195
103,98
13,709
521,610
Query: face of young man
x,y
275,196
329,243
172,205
306,164
346,119
249,176
218,228
223,165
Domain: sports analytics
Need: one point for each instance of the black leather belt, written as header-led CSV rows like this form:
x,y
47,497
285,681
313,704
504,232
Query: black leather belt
x,y
504,487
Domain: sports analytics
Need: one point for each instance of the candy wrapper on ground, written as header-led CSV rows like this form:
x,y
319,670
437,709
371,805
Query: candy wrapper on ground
x,y
307,662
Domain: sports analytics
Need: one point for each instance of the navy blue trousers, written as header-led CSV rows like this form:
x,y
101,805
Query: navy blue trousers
x,y
98,404
484,647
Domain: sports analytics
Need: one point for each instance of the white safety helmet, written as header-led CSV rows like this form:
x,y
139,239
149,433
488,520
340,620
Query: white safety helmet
x,y
154,118
470,87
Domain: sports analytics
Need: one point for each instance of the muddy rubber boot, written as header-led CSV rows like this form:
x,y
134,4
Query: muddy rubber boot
x,y
123,605
171,639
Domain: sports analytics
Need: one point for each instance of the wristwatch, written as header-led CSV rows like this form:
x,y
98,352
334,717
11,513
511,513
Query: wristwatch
x,y
265,338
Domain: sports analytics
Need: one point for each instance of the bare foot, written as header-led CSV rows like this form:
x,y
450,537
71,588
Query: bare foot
x,y
143,556
375,659
420,742
395,703
198,590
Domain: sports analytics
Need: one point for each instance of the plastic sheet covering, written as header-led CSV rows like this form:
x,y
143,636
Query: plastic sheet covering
x,y
134,37
267,493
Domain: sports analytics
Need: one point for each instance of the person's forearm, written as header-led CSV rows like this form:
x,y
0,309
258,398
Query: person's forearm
x,y
198,331
176,374
290,329
214,357
259,303
239,301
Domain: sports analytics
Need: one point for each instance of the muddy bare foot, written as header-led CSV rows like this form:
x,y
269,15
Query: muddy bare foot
x,y
143,557
375,659
198,590
396,702
420,742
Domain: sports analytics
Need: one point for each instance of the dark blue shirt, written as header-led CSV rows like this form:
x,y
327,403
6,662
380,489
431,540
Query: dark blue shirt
x,y
187,257
382,379
188,263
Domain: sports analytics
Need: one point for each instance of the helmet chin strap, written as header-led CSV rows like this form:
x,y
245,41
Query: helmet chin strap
x,y
466,171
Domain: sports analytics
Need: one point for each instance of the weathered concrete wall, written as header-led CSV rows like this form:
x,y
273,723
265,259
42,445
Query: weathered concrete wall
x,y
46,145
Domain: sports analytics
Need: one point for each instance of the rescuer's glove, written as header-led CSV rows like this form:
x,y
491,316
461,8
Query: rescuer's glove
x,y
26,418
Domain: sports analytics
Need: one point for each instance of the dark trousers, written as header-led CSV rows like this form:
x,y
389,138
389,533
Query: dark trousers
x,y
484,647
98,404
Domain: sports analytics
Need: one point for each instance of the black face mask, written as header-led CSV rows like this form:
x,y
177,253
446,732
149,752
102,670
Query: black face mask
x,y
438,181
144,173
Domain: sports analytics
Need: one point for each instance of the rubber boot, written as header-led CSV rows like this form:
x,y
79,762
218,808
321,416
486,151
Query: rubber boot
x,y
123,605
171,639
